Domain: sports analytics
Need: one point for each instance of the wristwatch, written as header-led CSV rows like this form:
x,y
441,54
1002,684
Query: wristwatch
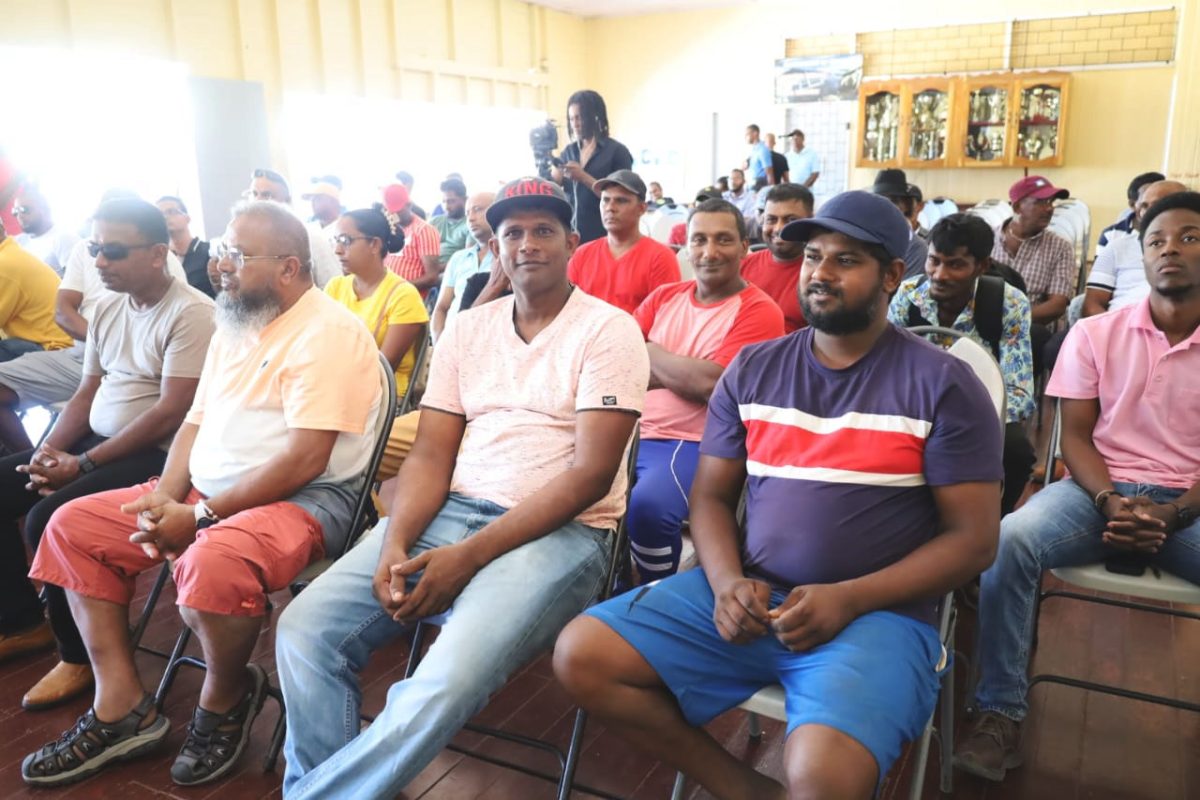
x,y
1184,515
205,517
86,464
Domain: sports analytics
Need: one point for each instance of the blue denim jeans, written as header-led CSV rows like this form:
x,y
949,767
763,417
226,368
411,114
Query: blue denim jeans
x,y
1058,527
511,611
15,348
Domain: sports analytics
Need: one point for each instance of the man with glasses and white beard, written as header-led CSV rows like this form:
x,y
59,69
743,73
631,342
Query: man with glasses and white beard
x,y
258,483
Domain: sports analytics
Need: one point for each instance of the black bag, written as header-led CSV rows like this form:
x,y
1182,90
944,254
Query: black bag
x,y
989,311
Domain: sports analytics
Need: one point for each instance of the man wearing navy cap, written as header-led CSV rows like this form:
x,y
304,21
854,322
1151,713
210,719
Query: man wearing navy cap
x,y
500,526
871,463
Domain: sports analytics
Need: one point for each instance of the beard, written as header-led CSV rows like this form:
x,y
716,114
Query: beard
x,y
247,312
845,319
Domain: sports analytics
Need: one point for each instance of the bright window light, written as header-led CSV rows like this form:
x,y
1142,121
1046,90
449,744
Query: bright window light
x,y
82,122
364,141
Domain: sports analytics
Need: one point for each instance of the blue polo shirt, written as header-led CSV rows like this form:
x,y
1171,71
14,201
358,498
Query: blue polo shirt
x,y
760,159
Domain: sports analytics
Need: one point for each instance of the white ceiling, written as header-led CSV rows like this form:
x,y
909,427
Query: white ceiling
x,y
622,8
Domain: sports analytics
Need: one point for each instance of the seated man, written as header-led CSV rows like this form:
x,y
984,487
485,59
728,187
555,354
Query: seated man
x,y
956,292
1129,382
693,330
27,289
258,482
1126,224
266,184
893,184
1045,260
625,266
1118,276
46,377
50,243
874,466
500,524
776,270
474,259
143,362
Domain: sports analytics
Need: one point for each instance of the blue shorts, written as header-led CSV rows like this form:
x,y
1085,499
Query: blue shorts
x,y
876,681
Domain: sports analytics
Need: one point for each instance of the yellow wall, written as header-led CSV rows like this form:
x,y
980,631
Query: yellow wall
x,y
491,52
722,61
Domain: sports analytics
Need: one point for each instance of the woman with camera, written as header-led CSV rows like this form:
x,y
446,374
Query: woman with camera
x,y
590,156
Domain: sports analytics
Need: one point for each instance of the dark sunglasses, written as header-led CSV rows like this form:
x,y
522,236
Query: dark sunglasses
x,y
270,175
113,251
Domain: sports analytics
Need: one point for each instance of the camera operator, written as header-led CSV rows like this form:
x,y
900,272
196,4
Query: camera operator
x,y
589,157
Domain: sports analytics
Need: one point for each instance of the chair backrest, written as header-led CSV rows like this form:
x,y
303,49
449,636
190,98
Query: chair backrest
x,y
664,220
419,375
383,428
978,358
993,212
619,554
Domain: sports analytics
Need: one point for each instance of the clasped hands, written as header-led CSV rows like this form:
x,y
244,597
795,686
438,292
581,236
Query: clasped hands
x,y
1137,524
49,469
808,616
166,527
444,573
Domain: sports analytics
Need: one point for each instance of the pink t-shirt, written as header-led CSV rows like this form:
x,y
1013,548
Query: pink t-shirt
x,y
521,400
626,281
672,318
1149,425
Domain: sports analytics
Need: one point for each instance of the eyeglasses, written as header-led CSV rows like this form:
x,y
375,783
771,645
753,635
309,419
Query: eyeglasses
x,y
269,174
171,211
113,251
223,251
345,239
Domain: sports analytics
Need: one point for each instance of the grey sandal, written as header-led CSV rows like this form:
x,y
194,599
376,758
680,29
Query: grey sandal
x,y
91,745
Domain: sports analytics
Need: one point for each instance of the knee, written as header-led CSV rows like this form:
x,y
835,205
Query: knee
x,y
215,581
836,766
579,658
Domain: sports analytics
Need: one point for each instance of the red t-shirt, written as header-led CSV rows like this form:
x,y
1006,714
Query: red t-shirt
x,y
781,280
672,318
626,281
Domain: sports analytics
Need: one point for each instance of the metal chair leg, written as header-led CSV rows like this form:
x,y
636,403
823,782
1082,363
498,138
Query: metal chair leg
x,y
572,758
677,789
756,730
946,732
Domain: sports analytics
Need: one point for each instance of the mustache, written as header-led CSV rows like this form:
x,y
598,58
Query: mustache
x,y
817,286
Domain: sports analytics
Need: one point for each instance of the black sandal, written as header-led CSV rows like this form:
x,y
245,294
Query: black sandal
x,y
216,741
91,745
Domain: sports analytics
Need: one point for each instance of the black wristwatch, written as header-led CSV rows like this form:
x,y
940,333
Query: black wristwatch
x,y
86,464
1184,515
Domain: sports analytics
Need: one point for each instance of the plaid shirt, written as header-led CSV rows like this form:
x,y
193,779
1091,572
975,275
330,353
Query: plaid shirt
x,y
1046,262
1016,357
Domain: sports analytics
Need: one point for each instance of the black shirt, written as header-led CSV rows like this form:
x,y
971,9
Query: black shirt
x,y
609,157
779,165
474,286
195,266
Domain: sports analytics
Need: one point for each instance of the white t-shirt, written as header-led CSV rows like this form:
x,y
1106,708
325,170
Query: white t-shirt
x,y
326,266
81,276
1119,269
133,349
53,247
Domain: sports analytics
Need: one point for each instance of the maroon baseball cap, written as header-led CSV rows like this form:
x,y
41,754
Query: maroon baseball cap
x,y
1037,187
529,193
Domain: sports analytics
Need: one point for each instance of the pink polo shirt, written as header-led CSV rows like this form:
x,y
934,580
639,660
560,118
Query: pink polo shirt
x,y
1149,425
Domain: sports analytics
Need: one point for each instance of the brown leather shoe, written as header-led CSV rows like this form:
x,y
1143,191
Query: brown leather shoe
x,y
64,682
30,640
991,747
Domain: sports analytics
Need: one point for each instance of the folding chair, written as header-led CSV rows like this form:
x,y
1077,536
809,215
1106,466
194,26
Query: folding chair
x,y
419,375
1157,585
360,520
568,761
769,702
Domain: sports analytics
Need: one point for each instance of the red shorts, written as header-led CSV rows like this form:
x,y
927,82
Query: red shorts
x,y
228,569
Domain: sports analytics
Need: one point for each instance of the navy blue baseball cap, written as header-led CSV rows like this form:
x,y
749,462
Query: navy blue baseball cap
x,y
860,215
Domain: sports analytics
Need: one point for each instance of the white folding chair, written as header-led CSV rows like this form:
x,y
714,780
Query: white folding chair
x,y
769,701
993,212
1151,585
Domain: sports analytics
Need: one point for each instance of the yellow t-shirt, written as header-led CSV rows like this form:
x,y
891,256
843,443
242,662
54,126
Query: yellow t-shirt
x,y
395,301
27,292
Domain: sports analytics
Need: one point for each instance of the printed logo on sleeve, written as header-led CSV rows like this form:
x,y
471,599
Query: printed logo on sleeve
x,y
609,400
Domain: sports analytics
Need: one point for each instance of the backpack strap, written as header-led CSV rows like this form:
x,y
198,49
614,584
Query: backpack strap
x,y
914,313
989,311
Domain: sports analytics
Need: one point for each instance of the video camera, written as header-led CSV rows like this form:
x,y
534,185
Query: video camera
x,y
544,139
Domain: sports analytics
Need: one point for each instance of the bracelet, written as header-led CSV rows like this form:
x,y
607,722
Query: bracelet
x,y
1102,498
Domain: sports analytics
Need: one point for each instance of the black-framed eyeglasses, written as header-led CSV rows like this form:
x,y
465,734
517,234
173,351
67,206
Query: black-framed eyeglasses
x,y
222,252
269,174
113,251
345,239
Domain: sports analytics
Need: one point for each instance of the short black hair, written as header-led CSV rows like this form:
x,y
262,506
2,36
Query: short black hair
x,y
963,230
334,179
1188,201
454,186
170,198
405,177
753,127
145,218
1145,179
715,205
790,192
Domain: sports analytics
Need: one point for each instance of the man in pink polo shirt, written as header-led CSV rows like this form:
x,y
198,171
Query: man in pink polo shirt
x,y
1129,382
693,330
624,267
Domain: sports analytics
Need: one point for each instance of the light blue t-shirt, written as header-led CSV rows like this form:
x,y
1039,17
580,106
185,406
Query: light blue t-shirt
x,y
463,265
760,160
802,164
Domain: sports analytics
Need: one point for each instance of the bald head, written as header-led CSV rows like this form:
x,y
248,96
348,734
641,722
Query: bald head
x,y
1151,193
477,205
